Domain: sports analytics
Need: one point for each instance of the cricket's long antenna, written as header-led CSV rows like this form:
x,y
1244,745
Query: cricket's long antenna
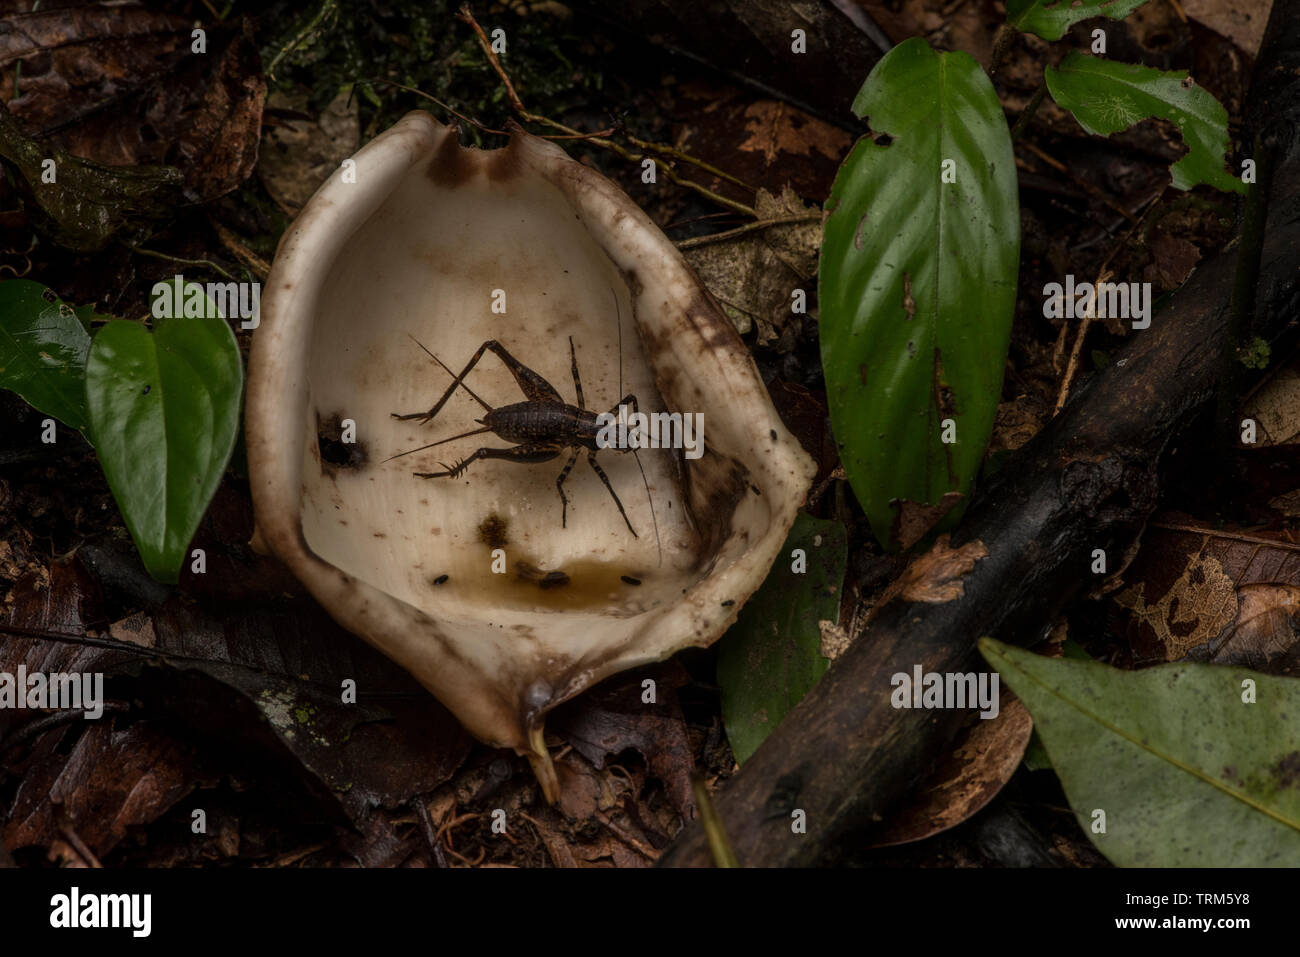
x,y
439,442
649,498
453,375
618,313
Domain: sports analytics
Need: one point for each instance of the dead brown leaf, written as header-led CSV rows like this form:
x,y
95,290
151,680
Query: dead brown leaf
x,y
119,85
1173,259
1275,407
614,718
114,778
913,520
1197,606
775,127
1263,636
936,576
298,154
1018,421
1217,595
970,775
1241,21
752,274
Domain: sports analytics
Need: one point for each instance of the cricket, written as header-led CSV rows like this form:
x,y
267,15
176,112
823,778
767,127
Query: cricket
x,y
542,427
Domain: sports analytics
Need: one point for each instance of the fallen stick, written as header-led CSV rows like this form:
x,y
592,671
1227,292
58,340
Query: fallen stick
x,y
844,756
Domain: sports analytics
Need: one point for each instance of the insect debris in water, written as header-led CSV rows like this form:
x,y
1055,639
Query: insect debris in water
x,y
542,427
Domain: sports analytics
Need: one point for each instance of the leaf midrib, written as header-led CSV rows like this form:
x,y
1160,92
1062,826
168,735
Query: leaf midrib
x,y
1192,112
1185,768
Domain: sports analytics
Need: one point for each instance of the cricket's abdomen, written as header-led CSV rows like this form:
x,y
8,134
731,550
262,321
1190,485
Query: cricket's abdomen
x,y
528,422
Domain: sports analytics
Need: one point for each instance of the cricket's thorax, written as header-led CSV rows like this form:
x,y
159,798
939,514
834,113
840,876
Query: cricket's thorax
x,y
527,422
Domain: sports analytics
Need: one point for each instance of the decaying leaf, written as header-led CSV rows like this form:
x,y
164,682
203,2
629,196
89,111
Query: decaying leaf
x,y
936,576
776,128
1173,259
1241,21
124,86
1264,634
1195,608
114,778
270,677
913,520
136,120
616,717
298,154
1276,407
1017,422
1215,595
752,274
970,775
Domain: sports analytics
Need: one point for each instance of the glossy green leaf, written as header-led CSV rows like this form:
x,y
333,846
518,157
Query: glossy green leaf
x,y
43,348
1187,773
918,281
1107,97
771,656
1050,19
164,410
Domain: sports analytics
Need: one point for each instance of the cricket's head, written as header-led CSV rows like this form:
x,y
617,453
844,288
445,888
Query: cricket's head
x,y
499,598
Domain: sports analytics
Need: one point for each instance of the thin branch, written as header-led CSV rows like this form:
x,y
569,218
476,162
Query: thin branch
x,y
749,228
1027,114
181,259
517,105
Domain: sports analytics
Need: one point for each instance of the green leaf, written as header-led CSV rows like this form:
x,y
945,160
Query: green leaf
x,y
1050,19
1107,97
1188,774
164,409
43,348
918,281
771,656
1036,758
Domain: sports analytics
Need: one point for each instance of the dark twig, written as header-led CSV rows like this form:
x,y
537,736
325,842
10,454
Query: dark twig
x,y
517,105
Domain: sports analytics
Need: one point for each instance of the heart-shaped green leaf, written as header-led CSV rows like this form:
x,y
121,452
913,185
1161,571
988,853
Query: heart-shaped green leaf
x,y
772,655
1107,97
1192,765
43,347
918,281
1050,19
164,411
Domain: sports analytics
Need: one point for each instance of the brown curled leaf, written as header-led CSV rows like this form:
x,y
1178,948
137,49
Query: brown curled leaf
x,y
935,577
983,760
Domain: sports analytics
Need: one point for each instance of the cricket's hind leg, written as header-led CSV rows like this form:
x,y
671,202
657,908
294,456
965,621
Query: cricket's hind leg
x,y
536,452
533,386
